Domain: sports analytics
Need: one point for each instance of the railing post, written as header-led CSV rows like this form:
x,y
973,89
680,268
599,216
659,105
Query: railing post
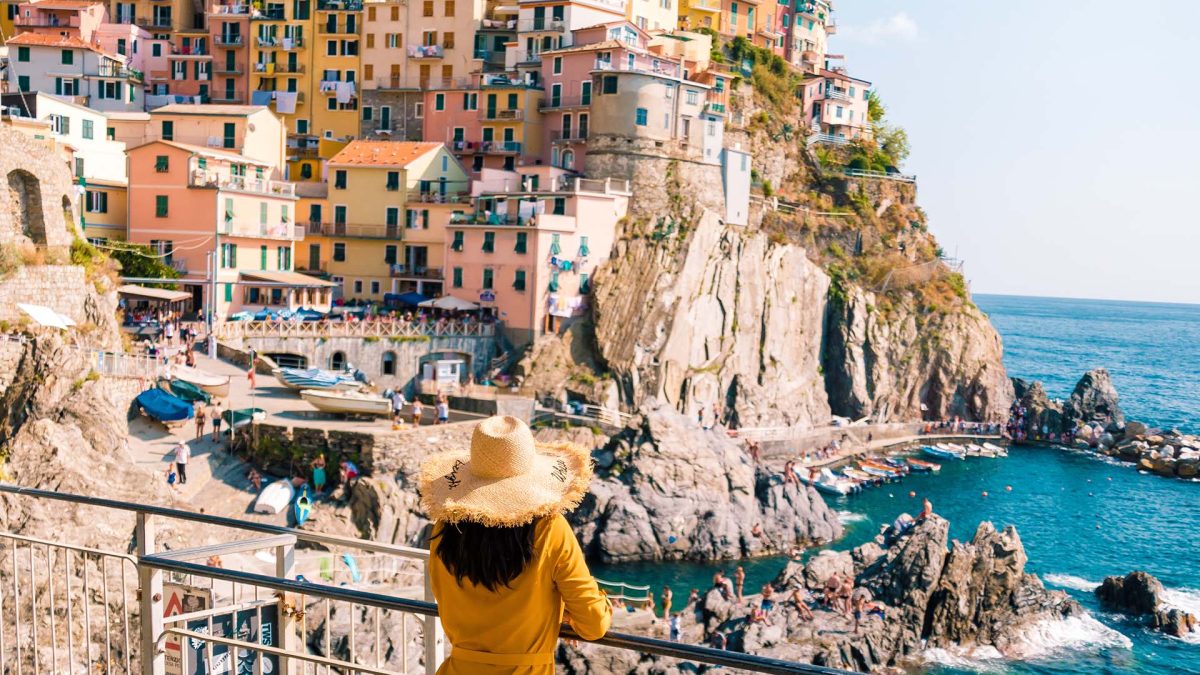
x,y
150,601
285,568
435,639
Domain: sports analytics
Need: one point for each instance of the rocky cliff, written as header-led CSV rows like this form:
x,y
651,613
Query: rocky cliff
x,y
668,490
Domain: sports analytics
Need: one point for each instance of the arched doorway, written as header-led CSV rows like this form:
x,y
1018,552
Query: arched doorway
x,y
337,361
389,363
25,191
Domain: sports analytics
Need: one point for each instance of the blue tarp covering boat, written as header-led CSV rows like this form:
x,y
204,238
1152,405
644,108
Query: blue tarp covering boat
x,y
164,407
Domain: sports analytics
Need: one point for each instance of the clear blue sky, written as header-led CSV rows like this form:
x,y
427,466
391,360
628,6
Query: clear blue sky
x,y
1056,142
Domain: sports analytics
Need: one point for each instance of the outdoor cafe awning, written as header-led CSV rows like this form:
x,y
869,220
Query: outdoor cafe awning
x,y
450,302
159,294
290,278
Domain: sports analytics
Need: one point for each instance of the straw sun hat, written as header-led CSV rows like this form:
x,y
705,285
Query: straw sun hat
x,y
506,479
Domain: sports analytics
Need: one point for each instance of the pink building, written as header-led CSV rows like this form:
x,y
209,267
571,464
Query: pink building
x,y
201,206
494,125
532,245
74,18
835,106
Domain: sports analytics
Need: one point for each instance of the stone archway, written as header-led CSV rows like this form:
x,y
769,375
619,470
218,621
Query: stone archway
x,y
25,204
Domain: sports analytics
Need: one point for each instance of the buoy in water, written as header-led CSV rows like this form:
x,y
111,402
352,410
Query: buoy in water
x,y
1008,488
985,493
912,493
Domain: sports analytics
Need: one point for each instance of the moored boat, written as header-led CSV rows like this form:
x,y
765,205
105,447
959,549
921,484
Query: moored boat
x,y
217,385
999,450
875,470
939,451
274,497
922,465
884,466
862,477
243,416
829,483
317,379
347,402
189,392
164,407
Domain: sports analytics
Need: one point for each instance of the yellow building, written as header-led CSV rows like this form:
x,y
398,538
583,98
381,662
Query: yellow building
x,y
695,14
105,210
337,69
382,227
280,62
8,10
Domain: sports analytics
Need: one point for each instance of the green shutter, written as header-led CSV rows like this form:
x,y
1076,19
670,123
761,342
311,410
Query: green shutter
x,y
262,263
457,245
555,249
489,242
457,277
519,280
522,243
160,206
584,251
487,277
585,285
554,281
228,292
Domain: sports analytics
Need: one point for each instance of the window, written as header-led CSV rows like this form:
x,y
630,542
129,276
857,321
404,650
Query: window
x,y
339,179
608,84
487,277
553,287
68,57
519,280
393,181
262,213
389,254
22,52
230,134
693,96
447,41
449,8
88,130
457,244
555,245
338,360
427,8
228,255
339,215
513,101
439,101
374,288
392,216
585,93
358,286
839,112
97,202
23,83
640,117
339,252
283,258
456,277
160,206
389,363
489,242
262,257
470,101
522,242
368,112
418,110
331,48
585,285
79,167
670,91
558,65
584,251
156,50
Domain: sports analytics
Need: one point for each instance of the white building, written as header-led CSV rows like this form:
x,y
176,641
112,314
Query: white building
x,y
83,130
68,67
735,170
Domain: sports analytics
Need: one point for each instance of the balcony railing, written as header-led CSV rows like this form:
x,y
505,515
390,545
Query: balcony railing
x,y
543,24
110,69
665,68
155,22
494,115
555,103
326,29
339,5
354,231
238,10
837,95
46,21
228,40
226,69
569,136
500,148
270,69
403,271
426,52
206,179
223,96
269,14
705,5
436,197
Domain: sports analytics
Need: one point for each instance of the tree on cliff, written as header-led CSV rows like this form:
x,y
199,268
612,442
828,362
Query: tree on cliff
x,y
142,261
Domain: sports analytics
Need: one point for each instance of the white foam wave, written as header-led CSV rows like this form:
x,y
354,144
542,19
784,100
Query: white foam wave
x,y
979,660
1070,581
1077,633
851,517
1188,600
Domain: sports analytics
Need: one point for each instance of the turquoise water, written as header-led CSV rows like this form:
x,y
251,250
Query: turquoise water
x,y
1080,518
1151,350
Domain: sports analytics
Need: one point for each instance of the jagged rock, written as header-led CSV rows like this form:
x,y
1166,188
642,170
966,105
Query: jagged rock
x,y
1175,622
1136,593
824,565
683,493
1187,468
1040,411
1094,400
1133,429
385,510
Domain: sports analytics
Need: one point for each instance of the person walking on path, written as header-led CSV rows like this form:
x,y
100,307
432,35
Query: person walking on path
x,y
318,467
398,404
505,566
216,422
443,411
416,412
250,376
182,454
201,417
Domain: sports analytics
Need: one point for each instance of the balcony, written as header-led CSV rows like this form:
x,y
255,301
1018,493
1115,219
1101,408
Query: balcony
x,y
158,22
269,14
500,148
420,52
835,94
495,24
716,101
831,27
570,136
393,232
228,40
188,51
46,21
227,97
276,188
436,197
665,68
226,69
705,6
230,10
563,102
543,24
339,5
114,70
501,80
281,230
291,44
423,272
326,29
493,115
272,69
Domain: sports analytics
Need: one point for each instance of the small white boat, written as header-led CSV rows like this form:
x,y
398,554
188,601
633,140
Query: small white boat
x,y
829,483
942,451
996,449
217,385
347,402
275,497
317,379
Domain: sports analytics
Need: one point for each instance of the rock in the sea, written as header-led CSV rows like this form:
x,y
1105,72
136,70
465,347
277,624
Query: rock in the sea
x,y
678,492
1094,400
1133,429
1175,622
1135,593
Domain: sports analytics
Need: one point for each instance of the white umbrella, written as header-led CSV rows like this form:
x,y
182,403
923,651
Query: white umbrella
x,y
449,302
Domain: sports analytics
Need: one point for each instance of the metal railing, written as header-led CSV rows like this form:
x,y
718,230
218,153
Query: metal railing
x,y
356,231
498,115
883,175
554,102
220,597
240,330
46,21
828,139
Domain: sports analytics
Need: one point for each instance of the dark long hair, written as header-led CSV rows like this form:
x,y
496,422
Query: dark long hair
x,y
486,556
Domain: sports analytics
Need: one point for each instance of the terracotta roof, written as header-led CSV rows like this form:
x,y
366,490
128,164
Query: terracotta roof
x,y
40,39
383,153
65,4
841,76
208,109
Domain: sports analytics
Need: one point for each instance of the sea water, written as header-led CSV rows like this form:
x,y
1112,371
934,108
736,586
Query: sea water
x,y
1080,517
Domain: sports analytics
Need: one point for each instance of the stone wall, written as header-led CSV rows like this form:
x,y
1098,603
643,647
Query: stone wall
x,y
652,166
375,452
59,287
367,354
401,103
38,202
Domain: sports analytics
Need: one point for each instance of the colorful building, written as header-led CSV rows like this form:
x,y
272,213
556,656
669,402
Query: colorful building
x,y
333,90
388,205
806,34
250,130
74,69
200,206
529,252
496,126
228,37
835,105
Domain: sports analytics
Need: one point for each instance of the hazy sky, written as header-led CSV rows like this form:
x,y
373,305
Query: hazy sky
x,y
1056,142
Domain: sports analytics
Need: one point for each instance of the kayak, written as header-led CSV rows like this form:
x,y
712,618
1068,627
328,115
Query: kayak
x,y
303,506
189,392
164,407
999,451
243,416
275,497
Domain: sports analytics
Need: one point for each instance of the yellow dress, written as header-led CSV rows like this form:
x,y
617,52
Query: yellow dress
x,y
515,630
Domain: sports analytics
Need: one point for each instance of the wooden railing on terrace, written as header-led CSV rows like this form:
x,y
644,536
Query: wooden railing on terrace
x,y
238,330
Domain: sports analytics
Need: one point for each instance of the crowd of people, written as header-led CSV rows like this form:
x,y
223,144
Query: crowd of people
x,y
1017,428
957,425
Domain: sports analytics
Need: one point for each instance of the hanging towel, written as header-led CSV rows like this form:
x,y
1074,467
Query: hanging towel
x,y
287,43
285,102
270,68
345,92
260,98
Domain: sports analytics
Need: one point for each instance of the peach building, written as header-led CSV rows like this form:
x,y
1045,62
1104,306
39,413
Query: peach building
x,y
198,206
251,130
530,248
835,105
494,126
